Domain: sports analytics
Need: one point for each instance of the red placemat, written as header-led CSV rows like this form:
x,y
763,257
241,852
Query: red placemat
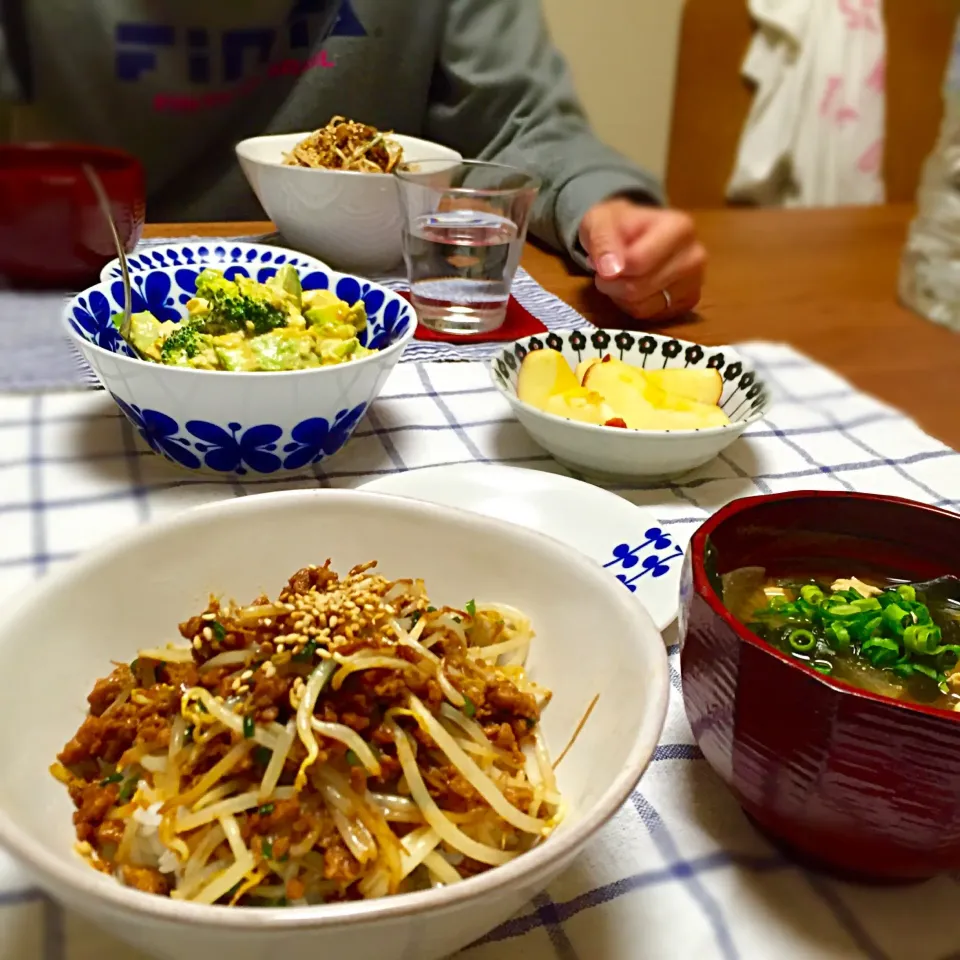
x,y
520,322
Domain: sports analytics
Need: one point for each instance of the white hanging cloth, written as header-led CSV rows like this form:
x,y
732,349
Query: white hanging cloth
x,y
814,135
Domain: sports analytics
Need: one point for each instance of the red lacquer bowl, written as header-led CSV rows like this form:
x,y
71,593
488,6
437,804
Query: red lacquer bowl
x,y
52,231
849,781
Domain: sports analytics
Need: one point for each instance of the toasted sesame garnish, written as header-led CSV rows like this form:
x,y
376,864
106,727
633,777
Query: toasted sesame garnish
x,y
269,669
207,634
208,616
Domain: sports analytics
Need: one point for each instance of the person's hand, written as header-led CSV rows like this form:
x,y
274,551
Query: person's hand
x,y
647,259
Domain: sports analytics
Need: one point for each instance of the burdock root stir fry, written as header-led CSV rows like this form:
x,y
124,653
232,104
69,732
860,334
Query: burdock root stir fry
x,y
346,740
346,145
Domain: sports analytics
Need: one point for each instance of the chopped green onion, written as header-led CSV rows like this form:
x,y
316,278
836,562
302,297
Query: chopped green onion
x,y
127,790
266,849
949,655
416,616
134,664
188,734
353,759
823,666
811,593
838,636
880,651
262,755
113,778
907,592
306,654
922,639
926,671
469,708
249,727
431,609
896,617
471,608
802,640
266,810
903,669
842,610
219,633
867,604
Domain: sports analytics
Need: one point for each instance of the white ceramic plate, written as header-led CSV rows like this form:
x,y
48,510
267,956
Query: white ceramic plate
x,y
624,538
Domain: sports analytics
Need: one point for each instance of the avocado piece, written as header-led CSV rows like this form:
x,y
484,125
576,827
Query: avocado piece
x,y
339,351
329,314
288,280
234,352
278,350
146,332
357,316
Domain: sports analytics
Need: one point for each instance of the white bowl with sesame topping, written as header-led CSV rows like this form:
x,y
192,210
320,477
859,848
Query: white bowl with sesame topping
x,y
592,638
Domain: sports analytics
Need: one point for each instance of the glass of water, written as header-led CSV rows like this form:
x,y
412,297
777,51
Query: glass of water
x,y
464,227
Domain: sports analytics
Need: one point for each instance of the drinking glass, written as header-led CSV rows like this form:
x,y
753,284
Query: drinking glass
x,y
464,226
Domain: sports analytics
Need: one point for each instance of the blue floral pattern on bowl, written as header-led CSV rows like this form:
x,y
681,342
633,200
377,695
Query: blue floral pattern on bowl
x,y
235,449
261,260
271,423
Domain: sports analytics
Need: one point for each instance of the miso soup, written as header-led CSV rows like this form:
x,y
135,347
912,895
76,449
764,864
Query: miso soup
x,y
898,640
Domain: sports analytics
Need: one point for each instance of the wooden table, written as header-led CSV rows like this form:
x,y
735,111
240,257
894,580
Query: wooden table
x,y
823,281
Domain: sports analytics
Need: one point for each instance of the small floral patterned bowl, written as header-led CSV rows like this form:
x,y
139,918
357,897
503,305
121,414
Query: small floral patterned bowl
x,y
618,454
259,260
238,423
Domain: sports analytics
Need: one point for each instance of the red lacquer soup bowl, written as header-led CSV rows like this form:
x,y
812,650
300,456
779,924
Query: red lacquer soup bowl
x,y
853,782
52,230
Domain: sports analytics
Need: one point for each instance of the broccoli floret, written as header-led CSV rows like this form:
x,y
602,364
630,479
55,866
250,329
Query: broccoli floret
x,y
184,343
246,306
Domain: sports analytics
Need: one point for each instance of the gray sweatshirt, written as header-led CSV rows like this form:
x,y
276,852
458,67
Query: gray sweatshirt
x,y
179,82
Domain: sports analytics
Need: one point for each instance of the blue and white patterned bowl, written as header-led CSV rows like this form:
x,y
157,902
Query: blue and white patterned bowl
x,y
609,453
238,423
259,259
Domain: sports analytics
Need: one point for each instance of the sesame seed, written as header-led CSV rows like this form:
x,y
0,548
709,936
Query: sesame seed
x,y
269,669
246,675
280,647
197,643
332,622
268,622
208,616
207,633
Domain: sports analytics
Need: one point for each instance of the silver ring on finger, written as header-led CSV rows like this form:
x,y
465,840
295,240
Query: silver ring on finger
x,y
667,298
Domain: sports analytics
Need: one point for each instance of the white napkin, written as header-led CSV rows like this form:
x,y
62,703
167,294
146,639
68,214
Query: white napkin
x,y
814,135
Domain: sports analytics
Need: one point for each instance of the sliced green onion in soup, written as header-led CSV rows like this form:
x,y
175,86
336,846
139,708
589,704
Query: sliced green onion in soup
x,y
801,640
881,651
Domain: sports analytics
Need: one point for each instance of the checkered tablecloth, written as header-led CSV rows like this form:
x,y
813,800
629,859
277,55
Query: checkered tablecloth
x,y
678,874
